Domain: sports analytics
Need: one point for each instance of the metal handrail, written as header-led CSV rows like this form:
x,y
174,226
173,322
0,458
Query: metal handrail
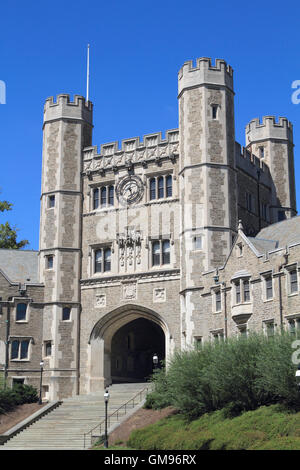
x,y
116,412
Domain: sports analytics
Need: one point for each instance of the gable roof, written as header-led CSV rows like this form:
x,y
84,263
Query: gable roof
x,y
19,265
279,235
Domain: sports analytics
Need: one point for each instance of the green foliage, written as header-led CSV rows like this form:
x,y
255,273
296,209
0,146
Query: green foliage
x,y
268,427
236,375
18,395
8,234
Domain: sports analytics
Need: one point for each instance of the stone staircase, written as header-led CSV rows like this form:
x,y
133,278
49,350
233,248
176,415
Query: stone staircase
x,y
64,427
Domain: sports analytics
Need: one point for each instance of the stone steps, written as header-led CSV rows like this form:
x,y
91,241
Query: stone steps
x,y
64,427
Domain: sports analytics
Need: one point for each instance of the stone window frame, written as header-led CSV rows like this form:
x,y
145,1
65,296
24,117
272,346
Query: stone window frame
x,y
19,301
214,291
293,319
289,269
13,338
70,313
98,187
215,110
51,201
264,276
266,323
217,335
160,239
195,238
239,249
47,262
45,344
264,211
198,341
93,250
156,178
241,281
18,378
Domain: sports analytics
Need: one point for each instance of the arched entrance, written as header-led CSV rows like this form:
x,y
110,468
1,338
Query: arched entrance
x,y
132,350
122,344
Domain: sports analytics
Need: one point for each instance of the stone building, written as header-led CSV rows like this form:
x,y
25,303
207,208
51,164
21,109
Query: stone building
x,y
152,245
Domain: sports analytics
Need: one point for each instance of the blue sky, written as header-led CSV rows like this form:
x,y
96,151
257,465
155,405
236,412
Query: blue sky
x,y
137,48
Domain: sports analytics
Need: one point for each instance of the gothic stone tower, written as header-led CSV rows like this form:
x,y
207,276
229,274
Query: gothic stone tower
x,y
207,176
273,143
67,130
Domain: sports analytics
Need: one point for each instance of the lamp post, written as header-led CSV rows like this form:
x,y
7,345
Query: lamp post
x,y
41,381
155,361
106,399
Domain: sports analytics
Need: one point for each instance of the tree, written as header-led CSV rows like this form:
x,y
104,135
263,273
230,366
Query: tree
x,y
8,234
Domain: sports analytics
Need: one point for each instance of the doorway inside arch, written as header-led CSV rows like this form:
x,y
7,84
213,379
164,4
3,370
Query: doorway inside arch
x,y
132,350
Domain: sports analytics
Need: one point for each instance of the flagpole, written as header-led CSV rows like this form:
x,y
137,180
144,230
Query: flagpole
x,y
88,74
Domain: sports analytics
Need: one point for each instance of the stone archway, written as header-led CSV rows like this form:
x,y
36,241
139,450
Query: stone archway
x,y
107,345
132,350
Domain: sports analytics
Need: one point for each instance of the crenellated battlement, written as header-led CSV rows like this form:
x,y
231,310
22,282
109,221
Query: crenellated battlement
x,y
205,73
132,150
250,163
269,129
64,107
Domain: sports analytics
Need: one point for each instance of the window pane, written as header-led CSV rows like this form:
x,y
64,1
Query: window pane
x,y
96,198
238,292
218,300
24,349
246,291
198,243
155,253
269,288
294,281
103,196
21,312
111,196
107,259
49,262
166,252
152,188
98,261
160,187
66,313
51,201
169,185
15,349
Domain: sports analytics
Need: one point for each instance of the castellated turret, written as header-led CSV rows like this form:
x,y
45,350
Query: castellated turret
x,y
272,142
207,163
67,129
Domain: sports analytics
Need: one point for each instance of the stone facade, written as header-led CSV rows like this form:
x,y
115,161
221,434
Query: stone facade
x,y
141,250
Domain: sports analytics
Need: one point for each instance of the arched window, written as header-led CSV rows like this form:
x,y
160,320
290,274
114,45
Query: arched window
x,y
152,188
160,187
21,312
169,186
96,198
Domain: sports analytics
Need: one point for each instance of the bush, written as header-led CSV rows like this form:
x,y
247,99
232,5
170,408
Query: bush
x,y
238,374
18,395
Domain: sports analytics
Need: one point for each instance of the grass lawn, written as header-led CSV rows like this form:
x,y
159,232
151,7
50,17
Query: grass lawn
x,y
267,428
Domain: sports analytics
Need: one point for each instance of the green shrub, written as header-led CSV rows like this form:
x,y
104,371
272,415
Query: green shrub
x,y
236,375
18,395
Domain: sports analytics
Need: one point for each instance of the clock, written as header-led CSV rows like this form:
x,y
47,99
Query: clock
x,y
130,190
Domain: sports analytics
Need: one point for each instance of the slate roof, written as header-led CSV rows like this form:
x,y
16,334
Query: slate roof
x,y
279,235
20,265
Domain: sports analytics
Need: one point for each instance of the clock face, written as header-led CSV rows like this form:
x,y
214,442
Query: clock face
x,y
130,190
